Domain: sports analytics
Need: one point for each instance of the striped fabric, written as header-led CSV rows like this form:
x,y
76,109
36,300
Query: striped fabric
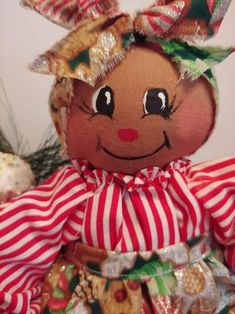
x,y
68,13
62,12
154,209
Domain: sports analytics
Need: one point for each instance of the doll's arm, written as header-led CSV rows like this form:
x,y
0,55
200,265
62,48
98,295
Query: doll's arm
x,y
33,227
213,183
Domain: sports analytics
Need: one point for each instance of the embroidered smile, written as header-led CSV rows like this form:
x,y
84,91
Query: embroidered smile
x,y
166,144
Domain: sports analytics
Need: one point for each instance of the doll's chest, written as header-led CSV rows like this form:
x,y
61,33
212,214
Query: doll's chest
x,y
143,218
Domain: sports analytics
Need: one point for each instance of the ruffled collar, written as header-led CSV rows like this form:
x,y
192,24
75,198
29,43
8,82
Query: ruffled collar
x,y
96,179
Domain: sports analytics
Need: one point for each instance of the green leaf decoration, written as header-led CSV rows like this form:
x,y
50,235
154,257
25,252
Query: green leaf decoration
x,y
194,241
126,40
73,283
107,285
46,159
161,277
191,59
83,57
46,310
70,305
225,310
69,271
96,308
58,293
53,108
199,10
5,146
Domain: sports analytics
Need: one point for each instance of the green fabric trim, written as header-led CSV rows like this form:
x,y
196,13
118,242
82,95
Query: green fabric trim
x,y
224,311
96,308
194,61
83,57
218,3
73,283
199,10
126,40
53,108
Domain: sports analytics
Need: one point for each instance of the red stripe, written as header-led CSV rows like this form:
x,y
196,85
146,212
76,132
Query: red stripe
x,y
100,219
230,257
168,212
12,305
42,248
215,191
217,165
113,217
87,224
168,19
222,203
155,27
123,245
35,273
47,225
131,228
13,243
60,6
229,212
184,223
49,6
37,5
188,206
157,219
86,6
142,218
20,204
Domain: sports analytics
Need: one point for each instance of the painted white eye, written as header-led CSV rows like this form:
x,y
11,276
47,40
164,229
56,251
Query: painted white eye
x,y
156,102
103,101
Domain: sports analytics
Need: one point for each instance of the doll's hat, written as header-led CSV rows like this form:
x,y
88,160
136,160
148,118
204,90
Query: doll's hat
x,y
101,36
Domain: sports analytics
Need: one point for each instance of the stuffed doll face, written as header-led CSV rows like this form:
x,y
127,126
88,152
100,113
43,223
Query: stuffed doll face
x,y
139,115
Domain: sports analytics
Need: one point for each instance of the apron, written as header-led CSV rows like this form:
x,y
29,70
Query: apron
x,y
188,277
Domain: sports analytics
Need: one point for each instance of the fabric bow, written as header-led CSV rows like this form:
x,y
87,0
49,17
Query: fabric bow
x,y
100,39
187,19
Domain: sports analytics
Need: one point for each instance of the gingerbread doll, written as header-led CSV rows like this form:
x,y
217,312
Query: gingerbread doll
x,y
142,230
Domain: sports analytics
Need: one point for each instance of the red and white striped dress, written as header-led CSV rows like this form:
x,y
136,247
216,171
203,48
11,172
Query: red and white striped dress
x,y
154,209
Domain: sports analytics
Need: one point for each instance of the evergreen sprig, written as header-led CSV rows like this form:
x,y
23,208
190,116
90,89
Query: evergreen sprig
x,y
45,160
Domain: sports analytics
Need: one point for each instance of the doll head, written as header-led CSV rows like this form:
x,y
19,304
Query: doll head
x,y
134,94
139,115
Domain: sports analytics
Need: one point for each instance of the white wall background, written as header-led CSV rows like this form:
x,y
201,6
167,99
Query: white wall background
x,y
24,34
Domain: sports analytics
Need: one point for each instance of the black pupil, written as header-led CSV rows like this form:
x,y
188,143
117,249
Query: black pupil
x,y
156,104
105,101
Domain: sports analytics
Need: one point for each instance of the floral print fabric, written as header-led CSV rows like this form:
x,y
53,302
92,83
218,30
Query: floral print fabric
x,y
183,278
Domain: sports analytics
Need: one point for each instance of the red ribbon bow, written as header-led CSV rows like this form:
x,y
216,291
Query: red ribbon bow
x,y
184,19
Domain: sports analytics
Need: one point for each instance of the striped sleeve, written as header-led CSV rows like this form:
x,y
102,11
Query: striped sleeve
x,y
32,230
213,183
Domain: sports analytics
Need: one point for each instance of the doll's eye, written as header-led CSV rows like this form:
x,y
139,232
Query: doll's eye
x,y
156,102
103,101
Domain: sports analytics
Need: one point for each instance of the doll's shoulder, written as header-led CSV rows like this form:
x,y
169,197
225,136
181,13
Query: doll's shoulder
x,y
211,178
213,169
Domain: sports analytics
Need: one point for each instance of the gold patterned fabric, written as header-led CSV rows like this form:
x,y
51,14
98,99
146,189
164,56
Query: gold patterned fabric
x,y
88,51
183,278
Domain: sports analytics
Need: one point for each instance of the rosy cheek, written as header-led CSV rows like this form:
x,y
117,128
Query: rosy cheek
x,y
194,123
81,136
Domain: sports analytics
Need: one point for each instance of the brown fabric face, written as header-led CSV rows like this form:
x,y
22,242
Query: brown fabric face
x,y
140,115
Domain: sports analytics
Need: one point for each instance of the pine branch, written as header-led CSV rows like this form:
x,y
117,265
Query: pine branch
x,y
5,146
46,160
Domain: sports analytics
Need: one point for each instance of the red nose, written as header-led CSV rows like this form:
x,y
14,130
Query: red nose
x,y
127,135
